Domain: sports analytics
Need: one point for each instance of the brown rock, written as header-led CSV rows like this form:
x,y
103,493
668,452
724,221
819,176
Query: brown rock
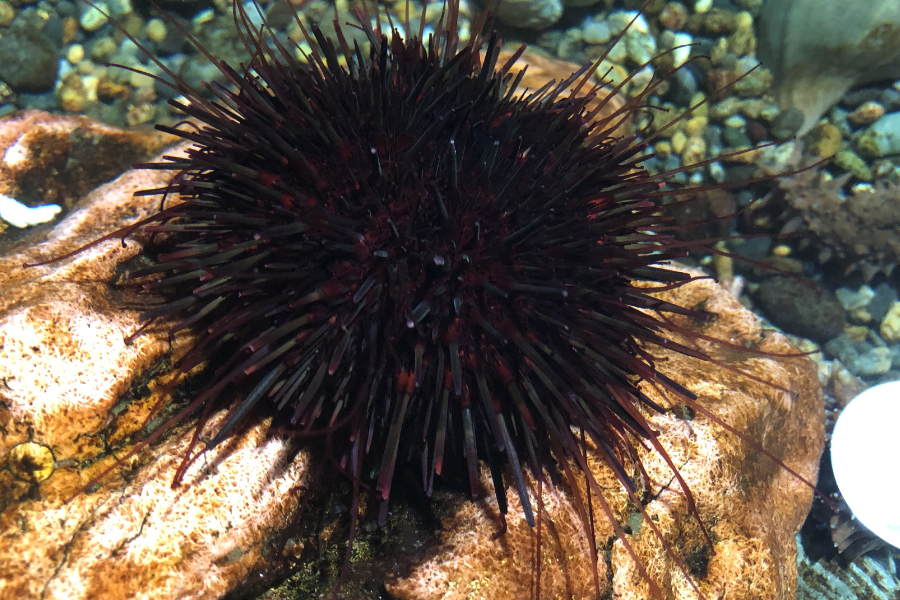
x,y
72,394
752,506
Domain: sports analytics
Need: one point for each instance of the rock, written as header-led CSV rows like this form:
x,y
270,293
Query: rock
x,y
853,300
674,16
819,49
66,367
881,302
874,362
824,140
530,14
890,324
852,162
28,60
787,124
800,307
7,13
866,113
754,507
882,138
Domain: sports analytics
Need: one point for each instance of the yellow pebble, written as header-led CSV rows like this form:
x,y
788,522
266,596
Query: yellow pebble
x,y
75,54
856,333
781,250
695,127
156,30
678,141
663,149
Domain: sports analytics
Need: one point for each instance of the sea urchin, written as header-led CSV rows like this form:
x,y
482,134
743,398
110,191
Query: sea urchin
x,y
404,253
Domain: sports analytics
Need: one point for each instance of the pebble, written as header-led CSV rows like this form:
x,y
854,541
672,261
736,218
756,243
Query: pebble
x,y
882,138
682,50
755,83
866,113
103,49
28,60
678,142
7,13
852,162
69,30
743,41
702,6
120,8
885,296
674,16
94,18
156,30
696,126
693,152
874,362
75,54
890,324
787,124
824,140
853,299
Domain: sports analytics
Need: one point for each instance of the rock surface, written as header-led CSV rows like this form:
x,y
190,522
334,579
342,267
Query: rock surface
x,y
752,506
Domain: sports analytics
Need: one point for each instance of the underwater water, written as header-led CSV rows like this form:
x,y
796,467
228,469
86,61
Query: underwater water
x,y
837,226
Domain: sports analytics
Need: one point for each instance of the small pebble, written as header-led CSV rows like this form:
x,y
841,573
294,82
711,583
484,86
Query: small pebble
x,y
75,54
890,325
787,124
156,30
696,126
596,33
852,162
678,142
673,16
824,140
874,362
853,299
693,152
94,17
702,6
7,13
866,113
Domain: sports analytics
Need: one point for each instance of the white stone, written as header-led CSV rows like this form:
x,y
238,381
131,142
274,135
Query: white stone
x,y
851,300
863,448
95,17
682,48
885,134
18,215
596,33
702,6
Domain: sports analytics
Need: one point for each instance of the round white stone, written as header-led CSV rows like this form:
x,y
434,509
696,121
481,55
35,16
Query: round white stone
x,y
863,453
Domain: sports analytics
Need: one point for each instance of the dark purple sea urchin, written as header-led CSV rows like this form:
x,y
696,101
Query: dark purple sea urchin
x,y
405,254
